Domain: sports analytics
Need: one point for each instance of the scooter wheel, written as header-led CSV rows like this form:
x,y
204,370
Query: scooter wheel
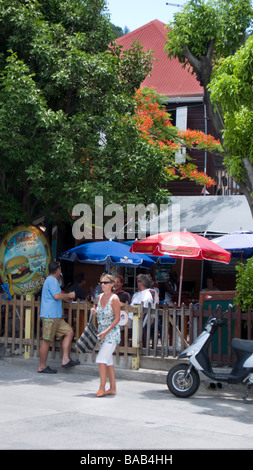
x,y
181,383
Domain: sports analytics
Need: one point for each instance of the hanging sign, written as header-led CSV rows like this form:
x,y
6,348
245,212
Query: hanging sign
x,y
24,258
123,318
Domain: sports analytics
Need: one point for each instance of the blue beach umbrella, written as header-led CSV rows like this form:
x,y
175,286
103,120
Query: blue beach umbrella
x,y
237,243
107,253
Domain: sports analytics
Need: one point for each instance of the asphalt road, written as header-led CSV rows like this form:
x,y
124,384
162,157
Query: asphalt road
x,y
61,411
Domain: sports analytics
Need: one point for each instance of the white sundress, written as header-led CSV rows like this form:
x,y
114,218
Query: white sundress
x,y
105,317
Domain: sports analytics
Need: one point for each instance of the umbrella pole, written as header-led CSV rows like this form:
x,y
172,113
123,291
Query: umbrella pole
x,y
108,265
202,274
180,283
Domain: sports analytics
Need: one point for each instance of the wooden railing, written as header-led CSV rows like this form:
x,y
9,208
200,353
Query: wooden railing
x,y
166,331
20,326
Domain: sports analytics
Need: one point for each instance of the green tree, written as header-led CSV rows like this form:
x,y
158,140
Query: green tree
x,y
244,279
60,88
231,91
68,127
117,31
201,35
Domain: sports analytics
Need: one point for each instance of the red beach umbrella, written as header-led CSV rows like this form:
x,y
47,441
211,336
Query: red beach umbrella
x,y
181,245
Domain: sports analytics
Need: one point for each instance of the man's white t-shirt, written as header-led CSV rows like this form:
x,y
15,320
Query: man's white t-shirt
x,y
144,296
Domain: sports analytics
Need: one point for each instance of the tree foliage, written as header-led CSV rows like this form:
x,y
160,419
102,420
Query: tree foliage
x,y
155,126
202,35
68,124
60,90
231,90
244,279
213,27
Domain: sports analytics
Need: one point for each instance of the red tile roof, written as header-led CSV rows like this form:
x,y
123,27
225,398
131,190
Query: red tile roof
x,y
168,76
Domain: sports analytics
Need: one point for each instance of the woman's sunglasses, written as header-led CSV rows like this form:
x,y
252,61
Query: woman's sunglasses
x,y
105,282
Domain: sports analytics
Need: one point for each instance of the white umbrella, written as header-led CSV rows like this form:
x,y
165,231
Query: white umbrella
x,y
237,243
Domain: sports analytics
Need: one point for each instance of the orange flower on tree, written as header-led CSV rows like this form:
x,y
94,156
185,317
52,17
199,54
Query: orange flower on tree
x,y
154,124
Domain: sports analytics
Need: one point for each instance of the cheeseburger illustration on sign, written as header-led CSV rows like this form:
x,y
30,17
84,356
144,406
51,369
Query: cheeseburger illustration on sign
x,y
24,257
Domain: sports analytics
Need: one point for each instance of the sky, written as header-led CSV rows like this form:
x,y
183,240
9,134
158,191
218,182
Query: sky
x,y
136,13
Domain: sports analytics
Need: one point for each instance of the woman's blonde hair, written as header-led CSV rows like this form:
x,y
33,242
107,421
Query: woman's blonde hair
x,y
110,278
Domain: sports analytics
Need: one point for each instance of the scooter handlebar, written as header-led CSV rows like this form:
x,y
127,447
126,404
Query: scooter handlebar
x,y
215,321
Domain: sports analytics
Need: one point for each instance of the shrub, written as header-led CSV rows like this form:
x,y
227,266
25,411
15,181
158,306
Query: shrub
x,y
244,285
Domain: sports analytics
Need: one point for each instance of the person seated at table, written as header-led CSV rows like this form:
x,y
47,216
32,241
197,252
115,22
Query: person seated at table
x,y
210,284
144,283
118,289
79,287
143,295
169,293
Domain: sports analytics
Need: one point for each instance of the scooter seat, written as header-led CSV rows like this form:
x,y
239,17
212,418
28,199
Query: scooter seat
x,y
242,345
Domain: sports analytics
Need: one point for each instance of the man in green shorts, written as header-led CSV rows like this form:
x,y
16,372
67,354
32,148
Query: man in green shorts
x,y
52,322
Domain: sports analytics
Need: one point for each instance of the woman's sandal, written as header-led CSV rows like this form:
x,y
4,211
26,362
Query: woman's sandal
x,y
100,393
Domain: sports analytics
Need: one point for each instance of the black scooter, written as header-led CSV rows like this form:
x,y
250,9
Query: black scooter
x,y
183,379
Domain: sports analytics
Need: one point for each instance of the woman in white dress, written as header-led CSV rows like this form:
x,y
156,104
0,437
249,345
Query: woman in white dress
x,y
108,317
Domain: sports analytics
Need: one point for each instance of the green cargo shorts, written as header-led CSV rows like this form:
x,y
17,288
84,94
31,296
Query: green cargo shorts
x,y
52,327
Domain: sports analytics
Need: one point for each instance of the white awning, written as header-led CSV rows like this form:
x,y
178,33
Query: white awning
x,y
203,214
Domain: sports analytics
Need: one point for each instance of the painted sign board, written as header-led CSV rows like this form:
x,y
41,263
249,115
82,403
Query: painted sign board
x,y
24,258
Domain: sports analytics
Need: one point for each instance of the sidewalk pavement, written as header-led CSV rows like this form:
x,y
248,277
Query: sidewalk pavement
x,y
152,375
141,375
61,412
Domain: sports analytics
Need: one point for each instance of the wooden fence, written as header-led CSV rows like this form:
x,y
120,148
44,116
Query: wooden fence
x,y
166,331
20,327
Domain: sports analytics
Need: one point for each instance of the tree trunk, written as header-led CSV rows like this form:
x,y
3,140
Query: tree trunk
x,y
247,186
203,68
